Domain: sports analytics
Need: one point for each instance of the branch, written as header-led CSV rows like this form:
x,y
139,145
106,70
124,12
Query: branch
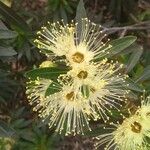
x,y
138,26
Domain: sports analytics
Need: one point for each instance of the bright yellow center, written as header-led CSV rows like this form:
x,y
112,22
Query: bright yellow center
x,y
78,57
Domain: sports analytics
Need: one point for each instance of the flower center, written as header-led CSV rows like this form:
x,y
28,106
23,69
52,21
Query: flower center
x,y
148,114
82,74
78,57
136,127
137,113
70,96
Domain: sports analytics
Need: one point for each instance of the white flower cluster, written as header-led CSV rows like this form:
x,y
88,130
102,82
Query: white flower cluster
x,y
132,133
89,90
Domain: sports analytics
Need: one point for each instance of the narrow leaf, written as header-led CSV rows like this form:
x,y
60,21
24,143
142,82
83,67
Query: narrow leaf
x,y
134,58
120,44
63,15
7,51
5,130
7,34
48,73
2,26
51,90
117,46
13,18
80,14
145,75
134,86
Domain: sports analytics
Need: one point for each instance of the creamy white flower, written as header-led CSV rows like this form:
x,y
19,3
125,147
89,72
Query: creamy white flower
x,y
36,90
56,39
101,84
144,111
130,135
81,75
88,89
108,89
79,56
59,39
66,109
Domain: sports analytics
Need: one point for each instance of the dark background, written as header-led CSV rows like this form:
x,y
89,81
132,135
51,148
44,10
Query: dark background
x,y
20,128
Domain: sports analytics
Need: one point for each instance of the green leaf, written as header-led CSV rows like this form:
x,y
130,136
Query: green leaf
x,y
134,86
117,46
3,26
67,7
120,44
13,18
7,34
7,51
48,73
20,123
100,129
145,75
25,51
51,90
134,58
5,130
80,14
63,15
2,100
85,91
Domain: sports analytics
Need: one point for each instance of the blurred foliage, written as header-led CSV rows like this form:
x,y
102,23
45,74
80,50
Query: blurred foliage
x,y
62,9
20,128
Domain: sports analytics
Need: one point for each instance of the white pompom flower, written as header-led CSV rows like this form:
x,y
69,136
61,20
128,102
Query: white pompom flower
x,y
144,111
130,135
36,90
58,39
90,89
108,90
101,84
66,110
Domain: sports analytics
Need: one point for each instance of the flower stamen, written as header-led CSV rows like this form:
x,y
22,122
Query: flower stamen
x,y
93,89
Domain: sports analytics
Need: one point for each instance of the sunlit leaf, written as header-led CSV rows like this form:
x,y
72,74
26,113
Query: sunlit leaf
x,y
48,73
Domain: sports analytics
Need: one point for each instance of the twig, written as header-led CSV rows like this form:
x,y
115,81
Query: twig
x,y
95,6
138,26
123,33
